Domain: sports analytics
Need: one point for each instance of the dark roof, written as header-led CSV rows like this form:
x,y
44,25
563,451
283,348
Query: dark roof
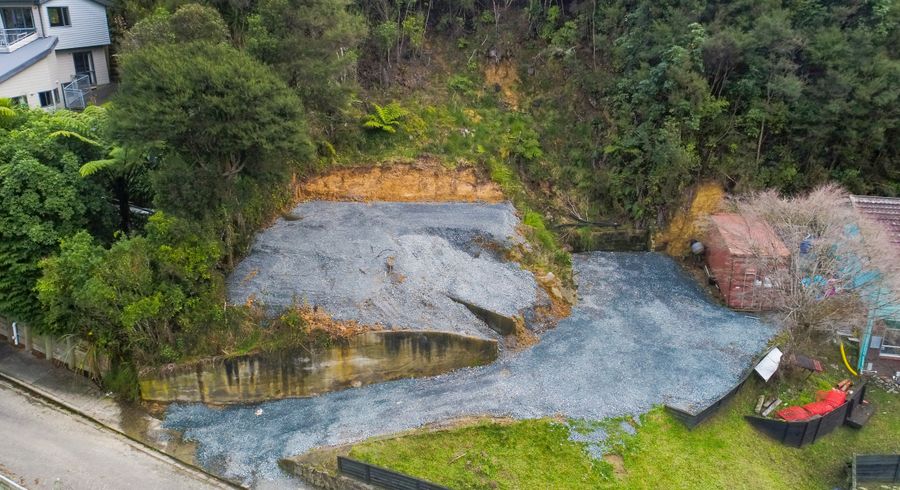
x,y
13,63
885,210
105,3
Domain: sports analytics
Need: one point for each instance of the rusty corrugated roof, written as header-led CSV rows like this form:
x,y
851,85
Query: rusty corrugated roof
x,y
748,237
884,210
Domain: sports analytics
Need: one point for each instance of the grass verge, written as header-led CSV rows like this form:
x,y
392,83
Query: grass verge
x,y
724,452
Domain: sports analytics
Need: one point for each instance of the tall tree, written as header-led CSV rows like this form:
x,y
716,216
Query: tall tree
x,y
212,106
189,23
312,45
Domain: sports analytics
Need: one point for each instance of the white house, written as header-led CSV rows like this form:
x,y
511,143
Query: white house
x,y
53,51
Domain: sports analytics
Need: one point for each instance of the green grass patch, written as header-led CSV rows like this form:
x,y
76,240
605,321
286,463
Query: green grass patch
x,y
724,452
527,454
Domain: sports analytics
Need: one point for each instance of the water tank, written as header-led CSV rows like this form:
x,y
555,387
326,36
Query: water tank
x,y
697,248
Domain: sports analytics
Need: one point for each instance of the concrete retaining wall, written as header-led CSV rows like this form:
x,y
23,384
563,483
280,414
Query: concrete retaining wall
x,y
371,357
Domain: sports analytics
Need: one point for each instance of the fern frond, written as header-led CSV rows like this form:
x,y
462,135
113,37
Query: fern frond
x,y
71,134
386,118
94,166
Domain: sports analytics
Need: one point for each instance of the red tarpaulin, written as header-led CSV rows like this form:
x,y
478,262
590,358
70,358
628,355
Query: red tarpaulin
x,y
793,414
828,400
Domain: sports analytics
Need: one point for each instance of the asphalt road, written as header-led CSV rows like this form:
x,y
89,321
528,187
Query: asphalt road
x,y
42,446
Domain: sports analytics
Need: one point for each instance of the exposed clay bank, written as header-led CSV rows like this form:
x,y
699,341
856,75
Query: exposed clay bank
x,y
368,358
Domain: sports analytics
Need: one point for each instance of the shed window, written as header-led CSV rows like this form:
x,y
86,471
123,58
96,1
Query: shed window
x,y
890,344
59,16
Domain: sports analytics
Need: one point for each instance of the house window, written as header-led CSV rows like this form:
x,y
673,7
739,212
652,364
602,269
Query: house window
x,y
49,98
17,18
59,16
20,100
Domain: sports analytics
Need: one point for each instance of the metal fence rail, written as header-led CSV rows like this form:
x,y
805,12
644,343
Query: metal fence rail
x,y
381,477
799,434
880,468
9,37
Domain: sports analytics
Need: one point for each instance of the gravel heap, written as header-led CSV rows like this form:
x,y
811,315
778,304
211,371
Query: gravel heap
x,y
403,265
643,334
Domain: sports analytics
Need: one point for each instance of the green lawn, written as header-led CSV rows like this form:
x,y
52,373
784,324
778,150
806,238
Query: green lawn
x,y
724,452
527,454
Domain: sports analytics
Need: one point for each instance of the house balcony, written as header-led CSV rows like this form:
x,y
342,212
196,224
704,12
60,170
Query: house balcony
x,y
13,39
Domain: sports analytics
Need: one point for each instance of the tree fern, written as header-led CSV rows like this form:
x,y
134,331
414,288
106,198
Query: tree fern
x,y
7,112
387,118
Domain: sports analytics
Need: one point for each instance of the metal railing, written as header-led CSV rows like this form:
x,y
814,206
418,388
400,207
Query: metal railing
x,y
9,37
74,91
383,478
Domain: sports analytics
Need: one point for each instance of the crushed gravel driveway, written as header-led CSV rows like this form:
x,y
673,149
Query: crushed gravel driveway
x,y
642,334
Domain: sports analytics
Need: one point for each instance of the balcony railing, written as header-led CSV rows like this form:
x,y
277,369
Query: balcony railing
x,y
9,37
75,91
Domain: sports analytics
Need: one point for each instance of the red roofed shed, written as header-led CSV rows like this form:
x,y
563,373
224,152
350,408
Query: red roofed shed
x,y
743,254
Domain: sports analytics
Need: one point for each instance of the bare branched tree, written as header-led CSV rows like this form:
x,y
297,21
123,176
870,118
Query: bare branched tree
x,y
842,268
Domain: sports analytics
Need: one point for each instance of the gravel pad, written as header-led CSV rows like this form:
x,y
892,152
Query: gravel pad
x,y
642,334
403,265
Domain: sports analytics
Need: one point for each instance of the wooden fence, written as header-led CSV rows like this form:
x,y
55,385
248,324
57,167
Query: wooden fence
x,y
66,351
381,477
875,468
799,434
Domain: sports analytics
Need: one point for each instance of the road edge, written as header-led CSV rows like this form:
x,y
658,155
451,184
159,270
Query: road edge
x,y
51,399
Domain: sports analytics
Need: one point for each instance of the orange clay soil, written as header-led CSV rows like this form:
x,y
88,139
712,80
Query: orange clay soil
x,y
422,181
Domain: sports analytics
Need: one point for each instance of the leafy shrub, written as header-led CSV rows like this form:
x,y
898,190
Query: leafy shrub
x,y
461,84
536,221
122,379
145,298
42,197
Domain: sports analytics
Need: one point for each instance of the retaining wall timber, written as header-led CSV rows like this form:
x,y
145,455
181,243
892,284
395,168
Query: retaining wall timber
x,y
371,357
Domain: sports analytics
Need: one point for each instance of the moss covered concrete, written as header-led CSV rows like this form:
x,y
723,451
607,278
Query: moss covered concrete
x,y
371,357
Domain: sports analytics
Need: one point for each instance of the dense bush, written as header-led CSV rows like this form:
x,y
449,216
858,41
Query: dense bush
x,y
43,198
147,297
